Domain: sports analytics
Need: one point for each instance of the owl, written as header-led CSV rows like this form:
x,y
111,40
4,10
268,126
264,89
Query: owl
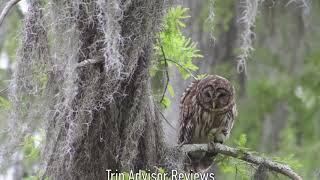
x,y
207,114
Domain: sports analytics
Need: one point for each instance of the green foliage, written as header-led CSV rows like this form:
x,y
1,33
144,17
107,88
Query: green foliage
x,y
31,149
174,46
174,49
233,168
4,103
242,141
289,160
166,102
271,84
31,155
241,169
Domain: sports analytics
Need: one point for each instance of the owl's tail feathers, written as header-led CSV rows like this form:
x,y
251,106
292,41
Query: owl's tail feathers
x,y
203,163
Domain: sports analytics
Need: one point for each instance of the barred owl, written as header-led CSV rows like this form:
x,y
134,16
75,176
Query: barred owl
x,y
207,114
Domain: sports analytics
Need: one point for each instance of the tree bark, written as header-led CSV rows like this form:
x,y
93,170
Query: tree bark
x,y
106,118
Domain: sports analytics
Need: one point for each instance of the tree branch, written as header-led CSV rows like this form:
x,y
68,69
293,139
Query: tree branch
x,y
245,156
167,73
178,64
6,9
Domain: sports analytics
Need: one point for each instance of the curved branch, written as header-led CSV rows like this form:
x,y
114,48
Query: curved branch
x,y
6,9
167,73
245,156
178,64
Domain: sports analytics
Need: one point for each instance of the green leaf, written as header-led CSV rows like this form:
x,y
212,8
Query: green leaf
x,y
166,102
161,170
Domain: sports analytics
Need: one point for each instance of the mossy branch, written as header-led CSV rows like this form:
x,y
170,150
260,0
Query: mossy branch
x,y
245,156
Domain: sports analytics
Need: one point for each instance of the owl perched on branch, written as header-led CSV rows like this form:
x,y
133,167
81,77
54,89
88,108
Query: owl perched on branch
x,y
207,114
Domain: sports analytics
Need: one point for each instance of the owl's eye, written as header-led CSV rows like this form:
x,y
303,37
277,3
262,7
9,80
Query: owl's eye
x,y
223,99
222,91
207,92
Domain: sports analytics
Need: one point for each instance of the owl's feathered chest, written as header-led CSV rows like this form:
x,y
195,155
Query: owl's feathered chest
x,y
208,123
203,124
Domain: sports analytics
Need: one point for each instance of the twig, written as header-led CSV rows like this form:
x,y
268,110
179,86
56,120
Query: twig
x,y
3,90
167,73
164,117
245,156
6,9
175,62
166,70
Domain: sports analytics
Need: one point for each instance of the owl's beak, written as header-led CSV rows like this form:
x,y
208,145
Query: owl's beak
x,y
213,105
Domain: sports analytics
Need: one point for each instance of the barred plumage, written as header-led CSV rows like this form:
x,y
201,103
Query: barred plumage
x,y
207,112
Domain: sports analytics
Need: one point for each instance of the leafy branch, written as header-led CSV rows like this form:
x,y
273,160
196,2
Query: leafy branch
x,y
167,72
173,48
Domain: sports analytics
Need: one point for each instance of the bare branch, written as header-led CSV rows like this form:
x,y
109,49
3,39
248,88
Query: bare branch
x,y
245,156
178,64
167,73
158,109
6,9
166,70
3,90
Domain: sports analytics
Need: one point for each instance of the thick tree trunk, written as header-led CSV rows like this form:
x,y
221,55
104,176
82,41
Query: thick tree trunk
x,y
102,115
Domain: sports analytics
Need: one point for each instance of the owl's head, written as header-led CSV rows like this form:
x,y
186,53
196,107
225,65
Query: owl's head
x,y
214,92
